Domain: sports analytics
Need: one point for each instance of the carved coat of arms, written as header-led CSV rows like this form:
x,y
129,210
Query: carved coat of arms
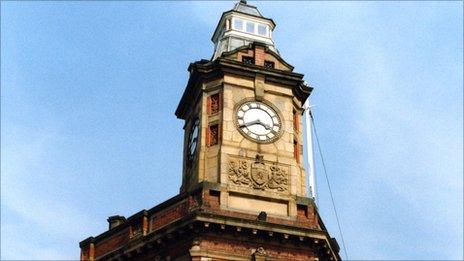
x,y
259,174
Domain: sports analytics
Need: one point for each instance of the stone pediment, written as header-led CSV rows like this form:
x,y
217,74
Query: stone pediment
x,y
261,53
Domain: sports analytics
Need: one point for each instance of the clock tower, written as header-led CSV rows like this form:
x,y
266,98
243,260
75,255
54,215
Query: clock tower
x,y
243,130
243,194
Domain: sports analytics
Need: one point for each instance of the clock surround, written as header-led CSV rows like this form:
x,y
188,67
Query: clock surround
x,y
193,140
256,128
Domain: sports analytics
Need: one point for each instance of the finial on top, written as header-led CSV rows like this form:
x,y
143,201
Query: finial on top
x,y
243,2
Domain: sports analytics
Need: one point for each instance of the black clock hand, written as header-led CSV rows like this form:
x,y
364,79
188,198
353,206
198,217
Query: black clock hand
x,y
267,127
258,121
250,123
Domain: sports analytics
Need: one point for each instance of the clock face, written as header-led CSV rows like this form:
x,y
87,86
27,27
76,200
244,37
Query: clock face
x,y
258,121
193,140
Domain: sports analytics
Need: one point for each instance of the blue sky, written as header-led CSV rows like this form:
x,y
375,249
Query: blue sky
x,y
89,91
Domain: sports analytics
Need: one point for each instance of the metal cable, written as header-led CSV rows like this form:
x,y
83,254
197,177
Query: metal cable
x,y
328,184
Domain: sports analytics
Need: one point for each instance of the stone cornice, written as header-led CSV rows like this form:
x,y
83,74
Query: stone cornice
x,y
201,219
266,49
205,70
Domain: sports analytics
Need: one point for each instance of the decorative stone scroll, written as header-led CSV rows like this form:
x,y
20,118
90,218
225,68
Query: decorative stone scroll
x,y
279,179
258,175
238,172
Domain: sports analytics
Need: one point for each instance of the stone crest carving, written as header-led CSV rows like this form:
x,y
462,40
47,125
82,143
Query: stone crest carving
x,y
278,179
258,175
238,172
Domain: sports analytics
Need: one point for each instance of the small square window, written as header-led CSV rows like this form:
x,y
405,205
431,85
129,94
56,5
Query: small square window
x,y
296,151
262,30
214,104
248,60
238,24
213,135
250,27
296,121
269,65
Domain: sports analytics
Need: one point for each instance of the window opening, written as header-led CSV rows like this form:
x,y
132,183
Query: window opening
x,y
248,60
296,151
213,135
238,24
269,65
250,27
295,121
214,104
262,30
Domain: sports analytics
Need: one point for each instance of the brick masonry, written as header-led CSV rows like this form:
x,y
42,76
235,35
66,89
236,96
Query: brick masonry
x,y
215,236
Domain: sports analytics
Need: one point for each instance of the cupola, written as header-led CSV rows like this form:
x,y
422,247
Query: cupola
x,y
242,25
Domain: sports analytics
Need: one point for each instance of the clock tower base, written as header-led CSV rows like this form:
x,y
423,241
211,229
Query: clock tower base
x,y
193,226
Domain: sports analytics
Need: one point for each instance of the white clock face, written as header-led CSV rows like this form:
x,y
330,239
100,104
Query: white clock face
x,y
258,121
193,139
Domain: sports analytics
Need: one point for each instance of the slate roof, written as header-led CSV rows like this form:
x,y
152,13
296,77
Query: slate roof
x,y
243,7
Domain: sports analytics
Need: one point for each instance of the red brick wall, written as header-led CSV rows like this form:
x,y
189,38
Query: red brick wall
x,y
248,53
260,55
211,198
243,246
85,255
306,216
112,243
168,215
302,212
296,121
208,201
175,248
